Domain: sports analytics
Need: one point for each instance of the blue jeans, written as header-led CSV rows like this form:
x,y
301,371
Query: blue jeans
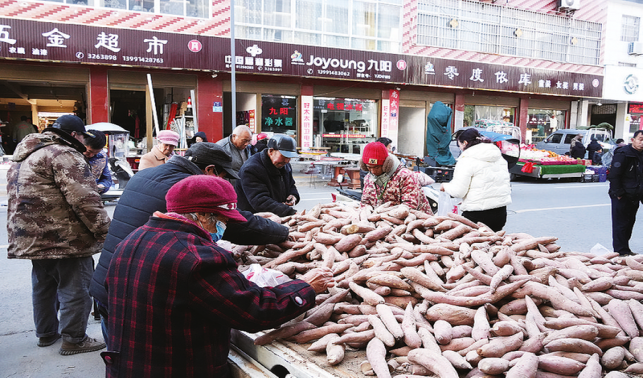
x,y
62,284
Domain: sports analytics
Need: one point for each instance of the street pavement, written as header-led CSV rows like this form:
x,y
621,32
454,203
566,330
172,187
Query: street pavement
x,y
577,213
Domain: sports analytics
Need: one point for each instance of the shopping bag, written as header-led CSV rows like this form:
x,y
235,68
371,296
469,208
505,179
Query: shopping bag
x,y
528,167
263,277
447,204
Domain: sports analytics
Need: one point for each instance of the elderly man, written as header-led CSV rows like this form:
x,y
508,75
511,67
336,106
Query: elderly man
x,y
56,219
162,152
145,194
174,294
266,183
237,145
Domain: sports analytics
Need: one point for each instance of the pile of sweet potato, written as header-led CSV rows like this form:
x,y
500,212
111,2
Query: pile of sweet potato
x,y
442,296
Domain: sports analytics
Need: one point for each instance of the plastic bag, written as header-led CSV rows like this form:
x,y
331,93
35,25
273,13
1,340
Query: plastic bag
x,y
598,250
263,277
447,204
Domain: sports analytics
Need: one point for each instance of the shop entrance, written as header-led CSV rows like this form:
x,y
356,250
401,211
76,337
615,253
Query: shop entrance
x,y
411,137
40,102
603,113
246,108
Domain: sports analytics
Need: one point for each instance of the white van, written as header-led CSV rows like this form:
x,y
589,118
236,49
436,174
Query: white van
x,y
560,140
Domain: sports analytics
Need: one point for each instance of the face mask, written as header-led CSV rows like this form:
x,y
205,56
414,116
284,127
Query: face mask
x,y
216,236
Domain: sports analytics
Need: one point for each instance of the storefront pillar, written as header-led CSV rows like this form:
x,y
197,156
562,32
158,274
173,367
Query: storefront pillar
x,y
458,107
306,134
523,116
209,106
98,95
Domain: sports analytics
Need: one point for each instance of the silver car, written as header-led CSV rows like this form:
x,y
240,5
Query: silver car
x,y
560,140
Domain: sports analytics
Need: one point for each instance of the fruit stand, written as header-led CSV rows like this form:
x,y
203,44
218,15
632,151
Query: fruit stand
x,y
544,164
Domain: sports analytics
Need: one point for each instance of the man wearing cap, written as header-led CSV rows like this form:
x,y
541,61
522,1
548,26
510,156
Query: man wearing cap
x,y
145,194
162,152
174,294
266,183
388,180
56,219
237,145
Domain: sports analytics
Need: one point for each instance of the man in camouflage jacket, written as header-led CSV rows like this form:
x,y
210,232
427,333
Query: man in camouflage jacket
x,y
56,219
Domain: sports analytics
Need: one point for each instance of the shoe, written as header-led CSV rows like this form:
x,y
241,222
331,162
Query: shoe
x,y
87,345
48,340
624,254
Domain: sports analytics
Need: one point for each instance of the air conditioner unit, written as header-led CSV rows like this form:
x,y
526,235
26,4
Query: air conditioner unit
x,y
569,4
636,48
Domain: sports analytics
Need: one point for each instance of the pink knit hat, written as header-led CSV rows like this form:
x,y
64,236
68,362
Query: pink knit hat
x,y
204,194
168,137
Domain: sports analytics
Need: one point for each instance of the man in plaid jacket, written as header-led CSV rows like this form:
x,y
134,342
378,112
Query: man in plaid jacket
x,y
174,294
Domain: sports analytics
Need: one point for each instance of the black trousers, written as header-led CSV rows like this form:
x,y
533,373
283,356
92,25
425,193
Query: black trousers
x,y
494,218
623,218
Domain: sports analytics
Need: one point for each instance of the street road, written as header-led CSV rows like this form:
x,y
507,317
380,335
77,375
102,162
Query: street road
x,y
577,213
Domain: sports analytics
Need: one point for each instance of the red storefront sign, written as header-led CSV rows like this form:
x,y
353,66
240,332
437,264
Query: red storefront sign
x,y
50,41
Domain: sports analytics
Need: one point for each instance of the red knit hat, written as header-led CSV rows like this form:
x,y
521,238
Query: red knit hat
x,y
374,153
204,194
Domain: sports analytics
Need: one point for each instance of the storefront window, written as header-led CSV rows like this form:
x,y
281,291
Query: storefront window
x,y
344,124
279,114
542,122
635,110
483,116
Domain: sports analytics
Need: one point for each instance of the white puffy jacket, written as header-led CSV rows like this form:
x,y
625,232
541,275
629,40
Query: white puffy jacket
x,y
481,179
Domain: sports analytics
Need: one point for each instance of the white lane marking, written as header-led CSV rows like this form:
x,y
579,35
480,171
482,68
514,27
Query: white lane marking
x,y
582,186
561,208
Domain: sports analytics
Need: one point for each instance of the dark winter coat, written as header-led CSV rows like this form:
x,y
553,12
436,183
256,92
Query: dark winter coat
x,y
262,187
577,150
592,148
174,295
145,194
626,174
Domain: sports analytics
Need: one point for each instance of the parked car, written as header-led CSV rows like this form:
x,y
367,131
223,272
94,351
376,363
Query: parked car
x,y
560,140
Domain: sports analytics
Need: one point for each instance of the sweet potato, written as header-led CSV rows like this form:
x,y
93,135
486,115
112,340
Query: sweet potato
x,y
458,344
622,313
317,333
411,337
320,345
573,345
454,315
283,332
481,327
347,243
585,332
390,281
442,331
386,315
376,355
560,365
506,328
525,367
334,352
592,369
636,348
366,294
356,337
434,362
613,358
428,341
381,332
493,366
500,345
456,360
425,280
